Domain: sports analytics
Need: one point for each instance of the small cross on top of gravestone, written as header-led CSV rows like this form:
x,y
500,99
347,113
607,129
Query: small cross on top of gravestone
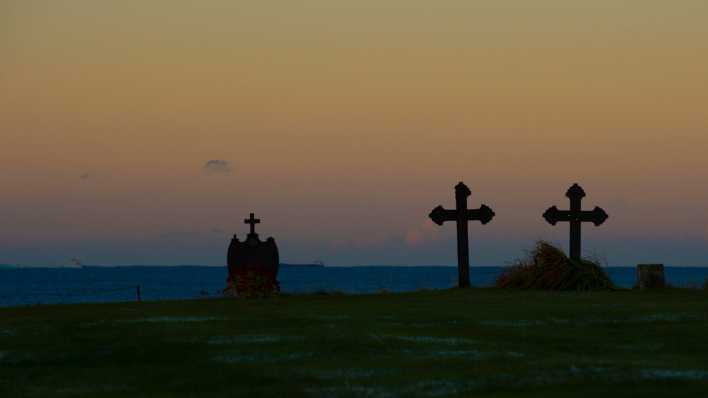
x,y
462,215
575,216
252,221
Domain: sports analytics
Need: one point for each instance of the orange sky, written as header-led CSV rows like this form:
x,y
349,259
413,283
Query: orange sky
x,y
343,125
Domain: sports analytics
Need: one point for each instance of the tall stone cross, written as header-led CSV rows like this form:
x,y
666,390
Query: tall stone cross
x,y
252,221
462,215
575,216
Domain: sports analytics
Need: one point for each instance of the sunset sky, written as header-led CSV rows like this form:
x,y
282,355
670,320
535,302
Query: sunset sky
x,y
145,131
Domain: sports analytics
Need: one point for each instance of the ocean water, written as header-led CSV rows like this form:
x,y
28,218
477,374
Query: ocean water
x,y
32,286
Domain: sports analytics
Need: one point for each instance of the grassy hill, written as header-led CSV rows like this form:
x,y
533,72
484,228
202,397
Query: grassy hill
x,y
485,342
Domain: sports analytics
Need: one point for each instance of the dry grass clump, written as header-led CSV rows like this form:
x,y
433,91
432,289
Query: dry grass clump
x,y
548,268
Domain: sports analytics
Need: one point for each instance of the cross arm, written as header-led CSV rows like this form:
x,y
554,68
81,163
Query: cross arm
x,y
439,215
553,215
597,216
484,214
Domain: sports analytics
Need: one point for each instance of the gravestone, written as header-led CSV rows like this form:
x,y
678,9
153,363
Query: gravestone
x,y
462,215
575,216
650,276
253,264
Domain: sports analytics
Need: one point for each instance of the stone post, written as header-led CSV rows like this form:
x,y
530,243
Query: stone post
x,y
650,276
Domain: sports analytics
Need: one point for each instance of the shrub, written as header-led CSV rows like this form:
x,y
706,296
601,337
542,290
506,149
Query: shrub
x,y
548,268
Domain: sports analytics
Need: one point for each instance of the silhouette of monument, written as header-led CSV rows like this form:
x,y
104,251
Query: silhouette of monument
x,y
253,264
575,216
462,215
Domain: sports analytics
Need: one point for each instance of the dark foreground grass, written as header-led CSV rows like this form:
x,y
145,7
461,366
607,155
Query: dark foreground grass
x,y
480,342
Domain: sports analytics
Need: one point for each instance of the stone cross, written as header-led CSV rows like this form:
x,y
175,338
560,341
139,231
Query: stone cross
x,y
252,221
462,215
575,216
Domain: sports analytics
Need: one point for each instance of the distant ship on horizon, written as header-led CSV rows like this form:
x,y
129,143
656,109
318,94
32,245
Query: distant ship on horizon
x,y
76,263
314,264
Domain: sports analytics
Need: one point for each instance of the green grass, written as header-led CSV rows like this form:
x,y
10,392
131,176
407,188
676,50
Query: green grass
x,y
479,342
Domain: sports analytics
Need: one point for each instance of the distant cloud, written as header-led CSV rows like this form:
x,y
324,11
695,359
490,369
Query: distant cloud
x,y
216,166
422,234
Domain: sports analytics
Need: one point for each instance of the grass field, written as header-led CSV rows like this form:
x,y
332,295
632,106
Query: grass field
x,y
485,342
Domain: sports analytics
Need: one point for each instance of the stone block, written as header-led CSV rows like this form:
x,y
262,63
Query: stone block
x,y
650,276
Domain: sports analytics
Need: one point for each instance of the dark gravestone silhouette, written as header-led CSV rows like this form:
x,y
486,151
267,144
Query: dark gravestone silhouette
x,y
253,264
575,216
462,215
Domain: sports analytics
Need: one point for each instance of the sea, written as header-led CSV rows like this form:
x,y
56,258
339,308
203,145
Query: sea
x,y
20,286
